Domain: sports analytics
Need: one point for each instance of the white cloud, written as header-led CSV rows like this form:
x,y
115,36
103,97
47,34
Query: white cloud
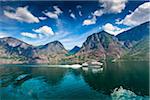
x,y
138,16
42,18
80,13
72,15
118,21
51,15
108,6
78,6
44,30
55,14
57,10
70,10
89,21
3,34
22,14
66,40
9,8
108,27
30,35
98,13
113,6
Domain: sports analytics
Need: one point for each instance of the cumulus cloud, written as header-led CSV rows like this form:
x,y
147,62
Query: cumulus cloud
x,y
138,16
42,18
108,27
89,21
30,35
22,14
72,15
98,13
44,30
55,14
113,6
108,6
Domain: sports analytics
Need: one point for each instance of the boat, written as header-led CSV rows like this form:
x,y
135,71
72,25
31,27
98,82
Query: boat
x,y
96,63
96,70
95,66
85,64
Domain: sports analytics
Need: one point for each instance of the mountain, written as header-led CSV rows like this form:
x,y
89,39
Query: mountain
x,y
139,51
134,35
13,50
137,41
101,45
132,44
54,47
74,50
51,53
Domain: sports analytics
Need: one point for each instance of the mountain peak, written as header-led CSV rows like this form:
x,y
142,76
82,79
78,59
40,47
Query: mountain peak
x,y
74,50
76,47
54,44
14,42
100,45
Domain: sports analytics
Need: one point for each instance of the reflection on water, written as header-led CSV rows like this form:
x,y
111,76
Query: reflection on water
x,y
133,76
44,82
53,75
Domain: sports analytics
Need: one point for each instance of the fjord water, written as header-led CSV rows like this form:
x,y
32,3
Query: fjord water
x,y
56,82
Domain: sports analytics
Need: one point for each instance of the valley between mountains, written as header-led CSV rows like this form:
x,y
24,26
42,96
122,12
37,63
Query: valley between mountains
x,y
132,44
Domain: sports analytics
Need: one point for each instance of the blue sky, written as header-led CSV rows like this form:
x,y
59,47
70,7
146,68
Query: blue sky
x,y
70,22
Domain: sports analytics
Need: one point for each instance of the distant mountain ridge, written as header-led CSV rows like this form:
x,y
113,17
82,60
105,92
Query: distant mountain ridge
x,y
133,44
132,36
74,50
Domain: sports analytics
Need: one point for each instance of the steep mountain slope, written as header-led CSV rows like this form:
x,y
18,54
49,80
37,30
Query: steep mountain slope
x,y
132,36
140,51
101,45
74,50
14,49
98,46
137,42
50,53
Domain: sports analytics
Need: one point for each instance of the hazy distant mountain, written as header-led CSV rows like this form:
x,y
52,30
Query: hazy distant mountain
x,y
132,36
100,46
74,50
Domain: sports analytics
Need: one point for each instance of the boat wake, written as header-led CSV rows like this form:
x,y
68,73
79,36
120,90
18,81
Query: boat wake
x,y
124,94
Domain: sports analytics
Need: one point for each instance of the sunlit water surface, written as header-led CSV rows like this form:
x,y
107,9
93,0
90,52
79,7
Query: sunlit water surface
x,y
48,82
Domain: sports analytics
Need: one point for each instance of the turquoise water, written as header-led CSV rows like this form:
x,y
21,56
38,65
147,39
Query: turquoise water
x,y
44,82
